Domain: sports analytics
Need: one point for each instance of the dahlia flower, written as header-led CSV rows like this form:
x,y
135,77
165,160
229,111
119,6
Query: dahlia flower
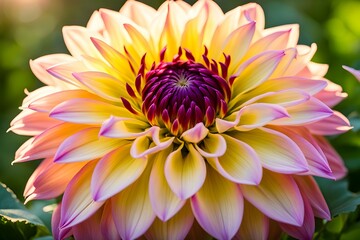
x,y
181,122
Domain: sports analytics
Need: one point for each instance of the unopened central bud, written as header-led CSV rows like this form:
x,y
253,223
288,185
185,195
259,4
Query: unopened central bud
x,y
178,95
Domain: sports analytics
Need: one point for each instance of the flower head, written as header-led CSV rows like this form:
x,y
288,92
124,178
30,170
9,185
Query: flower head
x,y
181,121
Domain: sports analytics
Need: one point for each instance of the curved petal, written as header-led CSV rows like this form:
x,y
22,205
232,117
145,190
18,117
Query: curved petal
x,y
307,112
85,145
114,172
86,111
195,134
138,12
108,227
354,72
278,197
255,225
239,164
312,192
335,124
131,208
90,228
276,151
120,127
77,203
185,171
176,228
163,200
336,163
55,220
214,145
306,231
218,206
255,71
143,146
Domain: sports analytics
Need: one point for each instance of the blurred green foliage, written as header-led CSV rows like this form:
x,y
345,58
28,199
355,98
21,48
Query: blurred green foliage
x,y
28,31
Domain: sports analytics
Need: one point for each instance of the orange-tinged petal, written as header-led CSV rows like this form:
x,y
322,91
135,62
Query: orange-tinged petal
x,y
163,200
278,197
114,172
131,208
85,145
175,228
239,164
185,171
218,206
77,203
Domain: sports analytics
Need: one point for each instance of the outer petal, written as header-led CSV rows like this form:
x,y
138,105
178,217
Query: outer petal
x,y
278,197
108,227
86,111
239,164
353,71
132,210
77,204
140,13
311,191
185,171
335,124
255,224
85,145
115,172
55,220
90,228
163,200
276,151
306,231
175,228
218,206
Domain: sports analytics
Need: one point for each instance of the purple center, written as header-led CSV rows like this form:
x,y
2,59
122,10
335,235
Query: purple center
x,y
178,95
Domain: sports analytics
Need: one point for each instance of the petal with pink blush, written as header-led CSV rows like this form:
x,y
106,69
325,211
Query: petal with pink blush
x,y
185,171
195,134
85,145
307,112
90,228
255,225
52,181
255,71
332,94
37,94
46,144
239,164
276,151
163,200
103,84
333,125
218,206
108,227
131,208
306,231
214,145
176,228
58,233
114,172
119,127
353,71
31,123
77,40
302,59
335,161
278,197
78,204
312,192
64,71
86,111
50,100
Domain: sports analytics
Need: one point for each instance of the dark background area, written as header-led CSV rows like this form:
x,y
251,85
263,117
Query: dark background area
x,y
32,28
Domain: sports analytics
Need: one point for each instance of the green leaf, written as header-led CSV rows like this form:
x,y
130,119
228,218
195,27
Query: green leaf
x,y
338,197
16,222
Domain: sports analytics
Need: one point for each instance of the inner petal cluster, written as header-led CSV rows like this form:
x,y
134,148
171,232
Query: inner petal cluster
x,y
179,94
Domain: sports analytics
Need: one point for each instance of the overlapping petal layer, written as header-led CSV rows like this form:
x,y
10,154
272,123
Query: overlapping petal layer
x,y
181,122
